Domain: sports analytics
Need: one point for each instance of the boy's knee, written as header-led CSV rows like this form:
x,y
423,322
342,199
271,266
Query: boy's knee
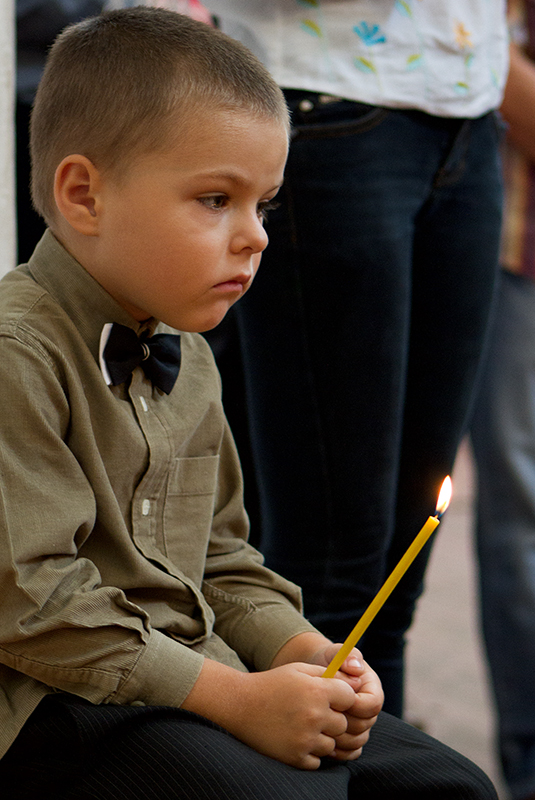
x,y
408,762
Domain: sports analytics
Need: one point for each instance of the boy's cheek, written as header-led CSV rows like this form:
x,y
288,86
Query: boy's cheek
x,y
255,264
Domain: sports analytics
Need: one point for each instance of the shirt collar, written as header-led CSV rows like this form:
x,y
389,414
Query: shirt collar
x,y
84,300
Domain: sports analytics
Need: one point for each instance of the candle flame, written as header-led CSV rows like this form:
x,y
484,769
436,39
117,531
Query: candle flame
x,y
444,496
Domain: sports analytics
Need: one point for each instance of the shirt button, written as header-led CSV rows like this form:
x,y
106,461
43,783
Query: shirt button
x,y
145,507
144,405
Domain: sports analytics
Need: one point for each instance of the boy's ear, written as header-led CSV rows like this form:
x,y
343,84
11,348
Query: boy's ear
x,y
77,185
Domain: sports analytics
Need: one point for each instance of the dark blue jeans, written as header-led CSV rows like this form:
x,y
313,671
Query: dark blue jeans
x,y
361,341
503,438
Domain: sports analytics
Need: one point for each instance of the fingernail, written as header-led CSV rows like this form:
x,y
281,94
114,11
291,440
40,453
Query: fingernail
x,y
354,662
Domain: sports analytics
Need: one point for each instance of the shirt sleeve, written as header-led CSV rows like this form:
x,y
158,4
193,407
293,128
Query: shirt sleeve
x,y
256,610
58,624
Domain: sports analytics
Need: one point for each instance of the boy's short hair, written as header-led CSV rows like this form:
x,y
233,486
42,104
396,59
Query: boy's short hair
x,y
114,86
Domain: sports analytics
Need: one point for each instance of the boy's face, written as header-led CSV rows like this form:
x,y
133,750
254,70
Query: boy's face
x,y
181,234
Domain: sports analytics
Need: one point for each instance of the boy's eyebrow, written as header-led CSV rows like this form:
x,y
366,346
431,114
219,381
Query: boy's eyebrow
x,y
234,177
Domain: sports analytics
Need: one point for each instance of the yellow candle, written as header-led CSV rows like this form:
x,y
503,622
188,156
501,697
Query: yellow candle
x,y
391,582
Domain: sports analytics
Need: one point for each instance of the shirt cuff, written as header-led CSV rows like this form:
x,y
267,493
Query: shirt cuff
x,y
164,675
261,634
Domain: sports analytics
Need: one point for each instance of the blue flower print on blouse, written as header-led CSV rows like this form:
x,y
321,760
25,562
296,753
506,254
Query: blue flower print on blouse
x,y
370,34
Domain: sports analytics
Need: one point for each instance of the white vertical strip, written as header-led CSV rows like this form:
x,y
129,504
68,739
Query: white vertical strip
x,y
7,135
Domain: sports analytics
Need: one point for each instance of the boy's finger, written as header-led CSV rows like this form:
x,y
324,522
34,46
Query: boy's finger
x,y
346,755
358,725
366,706
348,742
355,681
341,695
335,725
323,746
353,664
307,762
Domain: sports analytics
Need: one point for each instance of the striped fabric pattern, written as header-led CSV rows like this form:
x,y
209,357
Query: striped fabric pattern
x,y
73,750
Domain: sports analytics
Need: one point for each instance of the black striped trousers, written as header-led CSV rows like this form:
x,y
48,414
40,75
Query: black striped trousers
x,y
72,750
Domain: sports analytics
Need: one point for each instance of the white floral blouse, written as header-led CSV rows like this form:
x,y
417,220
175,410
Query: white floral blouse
x,y
446,57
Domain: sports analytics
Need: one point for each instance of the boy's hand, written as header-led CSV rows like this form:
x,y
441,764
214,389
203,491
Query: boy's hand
x,y
289,713
368,699
299,716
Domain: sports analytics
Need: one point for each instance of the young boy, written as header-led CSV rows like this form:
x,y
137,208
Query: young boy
x,y
145,650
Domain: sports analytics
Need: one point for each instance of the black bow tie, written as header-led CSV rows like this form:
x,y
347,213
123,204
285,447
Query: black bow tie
x,y
158,356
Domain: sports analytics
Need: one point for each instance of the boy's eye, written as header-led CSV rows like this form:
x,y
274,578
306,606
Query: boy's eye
x,y
265,207
215,201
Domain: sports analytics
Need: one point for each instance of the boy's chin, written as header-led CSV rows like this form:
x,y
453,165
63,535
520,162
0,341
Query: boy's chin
x,y
200,322
211,323
206,328
201,327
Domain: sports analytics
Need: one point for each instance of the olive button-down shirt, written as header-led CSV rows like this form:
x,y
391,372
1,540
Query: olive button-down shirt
x,y
123,554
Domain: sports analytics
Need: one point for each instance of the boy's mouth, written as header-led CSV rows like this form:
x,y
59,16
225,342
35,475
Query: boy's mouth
x,y
229,286
236,284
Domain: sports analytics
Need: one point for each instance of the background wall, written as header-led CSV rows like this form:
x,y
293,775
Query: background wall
x,y
7,137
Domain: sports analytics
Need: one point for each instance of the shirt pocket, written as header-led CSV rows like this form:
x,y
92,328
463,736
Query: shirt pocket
x,y
188,513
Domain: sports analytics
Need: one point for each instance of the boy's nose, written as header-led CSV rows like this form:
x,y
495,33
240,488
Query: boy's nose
x,y
251,234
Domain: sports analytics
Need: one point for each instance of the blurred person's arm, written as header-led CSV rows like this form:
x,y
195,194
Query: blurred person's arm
x,y
518,106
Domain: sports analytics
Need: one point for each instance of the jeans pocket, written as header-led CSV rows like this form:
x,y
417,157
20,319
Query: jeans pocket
x,y
316,116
